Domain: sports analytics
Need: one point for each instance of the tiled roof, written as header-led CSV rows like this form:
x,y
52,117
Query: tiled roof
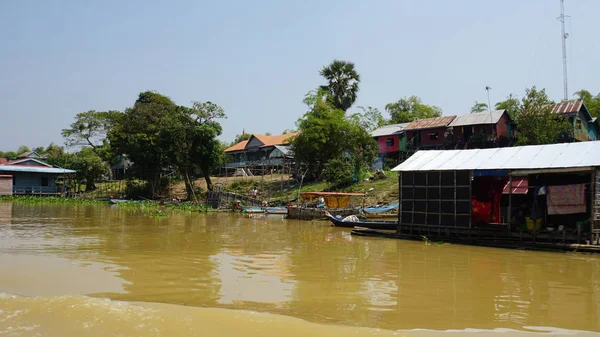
x,y
266,140
478,118
276,140
237,147
429,123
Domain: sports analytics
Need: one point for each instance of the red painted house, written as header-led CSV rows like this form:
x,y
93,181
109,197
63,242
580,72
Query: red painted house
x,y
492,125
390,138
428,132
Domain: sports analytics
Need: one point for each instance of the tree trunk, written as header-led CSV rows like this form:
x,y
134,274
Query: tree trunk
x,y
206,173
89,184
189,185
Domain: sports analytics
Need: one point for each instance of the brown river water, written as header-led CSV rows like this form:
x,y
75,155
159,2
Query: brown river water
x,y
102,271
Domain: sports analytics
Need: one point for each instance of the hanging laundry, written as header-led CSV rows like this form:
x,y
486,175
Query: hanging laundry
x,y
566,199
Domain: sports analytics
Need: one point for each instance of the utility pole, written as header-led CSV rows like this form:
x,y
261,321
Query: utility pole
x,y
564,36
488,88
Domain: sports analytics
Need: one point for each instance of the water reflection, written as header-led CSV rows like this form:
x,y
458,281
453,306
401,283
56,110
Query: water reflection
x,y
305,269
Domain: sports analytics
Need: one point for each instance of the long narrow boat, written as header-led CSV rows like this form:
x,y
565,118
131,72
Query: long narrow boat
x,y
371,224
381,212
276,210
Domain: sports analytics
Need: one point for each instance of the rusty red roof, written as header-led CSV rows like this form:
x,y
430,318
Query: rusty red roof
x,y
568,107
430,123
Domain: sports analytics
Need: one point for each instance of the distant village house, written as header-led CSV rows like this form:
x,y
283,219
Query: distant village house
x,y
392,143
260,151
29,175
491,127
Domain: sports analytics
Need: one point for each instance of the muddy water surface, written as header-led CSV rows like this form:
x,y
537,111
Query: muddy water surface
x,y
99,271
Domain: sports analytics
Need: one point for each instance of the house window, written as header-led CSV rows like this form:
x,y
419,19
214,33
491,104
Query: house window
x,y
389,142
578,124
433,136
44,181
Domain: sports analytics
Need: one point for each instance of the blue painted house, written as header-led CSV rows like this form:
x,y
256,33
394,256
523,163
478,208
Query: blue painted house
x,y
33,176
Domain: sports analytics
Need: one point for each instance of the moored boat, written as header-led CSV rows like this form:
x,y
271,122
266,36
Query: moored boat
x,y
276,210
371,224
381,212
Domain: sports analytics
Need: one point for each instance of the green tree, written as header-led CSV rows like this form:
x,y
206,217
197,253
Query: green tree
x,y
242,137
479,107
408,109
90,129
342,83
196,147
511,105
327,134
22,149
161,137
89,166
592,103
370,118
143,132
10,155
537,124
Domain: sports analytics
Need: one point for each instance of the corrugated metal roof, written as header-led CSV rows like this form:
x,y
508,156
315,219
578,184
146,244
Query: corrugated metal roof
x,y
429,123
34,169
478,118
387,130
555,156
567,107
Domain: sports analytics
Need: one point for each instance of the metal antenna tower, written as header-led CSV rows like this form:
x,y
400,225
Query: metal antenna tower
x,y
561,18
488,88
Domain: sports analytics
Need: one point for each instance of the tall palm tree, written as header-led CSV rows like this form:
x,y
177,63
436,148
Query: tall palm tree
x,y
342,83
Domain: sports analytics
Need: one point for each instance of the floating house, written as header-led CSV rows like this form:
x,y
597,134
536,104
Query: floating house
x,y
428,133
392,142
260,151
481,129
543,196
31,176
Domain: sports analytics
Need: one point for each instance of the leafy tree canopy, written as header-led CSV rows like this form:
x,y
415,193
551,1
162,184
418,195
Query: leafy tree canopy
x,y
342,84
537,124
327,134
511,105
160,136
408,109
369,119
592,103
479,107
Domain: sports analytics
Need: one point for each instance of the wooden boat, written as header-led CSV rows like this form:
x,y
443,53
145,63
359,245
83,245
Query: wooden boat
x,y
253,210
276,210
381,212
371,224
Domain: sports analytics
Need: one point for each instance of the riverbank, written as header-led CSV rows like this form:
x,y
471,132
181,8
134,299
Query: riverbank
x,y
277,187
153,208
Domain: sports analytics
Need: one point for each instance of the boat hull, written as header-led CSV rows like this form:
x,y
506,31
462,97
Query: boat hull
x,y
371,224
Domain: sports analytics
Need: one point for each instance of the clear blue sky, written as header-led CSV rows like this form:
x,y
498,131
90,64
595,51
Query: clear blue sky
x,y
258,58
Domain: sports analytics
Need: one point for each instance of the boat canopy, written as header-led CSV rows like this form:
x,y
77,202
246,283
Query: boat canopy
x,y
381,209
332,199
